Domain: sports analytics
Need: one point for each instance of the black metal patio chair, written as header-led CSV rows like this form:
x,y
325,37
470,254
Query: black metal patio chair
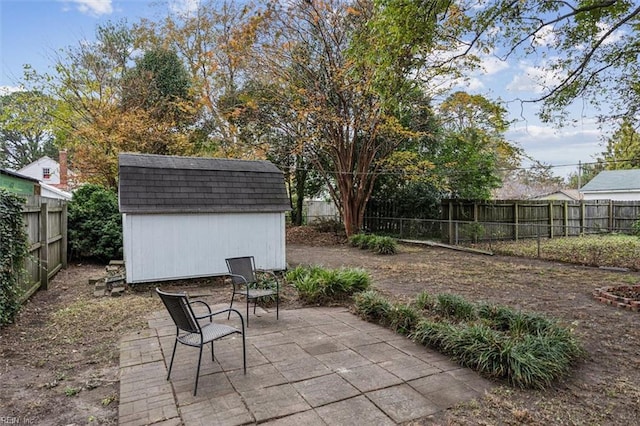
x,y
244,277
190,332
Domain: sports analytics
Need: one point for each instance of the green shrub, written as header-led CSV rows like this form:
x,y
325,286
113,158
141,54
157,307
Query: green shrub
x,y
402,318
636,228
95,224
454,306
319,285
372,306
13,252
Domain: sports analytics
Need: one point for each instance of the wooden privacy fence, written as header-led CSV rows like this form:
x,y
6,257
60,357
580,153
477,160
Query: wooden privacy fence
x,y
515,219
46,226
506,219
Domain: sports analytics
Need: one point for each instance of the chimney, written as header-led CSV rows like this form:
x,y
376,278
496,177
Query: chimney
x,y
64,172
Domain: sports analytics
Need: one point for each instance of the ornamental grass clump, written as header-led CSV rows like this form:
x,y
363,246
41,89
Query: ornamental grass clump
x,y
454,306
372,306
526,349
318,285
424,301
402,318
375,243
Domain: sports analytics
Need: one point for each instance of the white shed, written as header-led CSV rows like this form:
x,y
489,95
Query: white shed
x,y
182,216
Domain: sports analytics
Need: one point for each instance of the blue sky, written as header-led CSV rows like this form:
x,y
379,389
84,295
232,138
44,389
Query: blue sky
x,y
33,30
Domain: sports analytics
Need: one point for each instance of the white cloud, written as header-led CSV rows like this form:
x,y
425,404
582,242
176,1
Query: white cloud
x,y
93,7
184,7
545,37
7,90
558,146
492,65
534,79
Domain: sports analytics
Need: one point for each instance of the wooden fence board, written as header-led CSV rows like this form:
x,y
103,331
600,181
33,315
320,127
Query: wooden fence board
x,y
508,219
46,227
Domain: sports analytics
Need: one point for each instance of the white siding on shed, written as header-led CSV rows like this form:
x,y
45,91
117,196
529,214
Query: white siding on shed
x,y
176,246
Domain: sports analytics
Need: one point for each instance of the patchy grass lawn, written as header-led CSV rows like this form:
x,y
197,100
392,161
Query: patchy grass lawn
x,y
615,251
60,358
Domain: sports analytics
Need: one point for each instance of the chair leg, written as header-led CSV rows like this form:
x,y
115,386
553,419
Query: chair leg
x,y
244,355
231,305
195,390
247,312
277,306
173,354
213,358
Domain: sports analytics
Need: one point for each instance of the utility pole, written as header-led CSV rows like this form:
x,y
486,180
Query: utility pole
x,y
579,174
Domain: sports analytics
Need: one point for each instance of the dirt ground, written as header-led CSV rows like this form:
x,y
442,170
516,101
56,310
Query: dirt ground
x,y
60,358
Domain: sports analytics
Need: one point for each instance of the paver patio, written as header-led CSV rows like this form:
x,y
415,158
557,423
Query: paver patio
x,y
314,366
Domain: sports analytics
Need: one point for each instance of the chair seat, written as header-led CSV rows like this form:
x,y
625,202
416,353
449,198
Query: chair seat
x,y
210,332
259,292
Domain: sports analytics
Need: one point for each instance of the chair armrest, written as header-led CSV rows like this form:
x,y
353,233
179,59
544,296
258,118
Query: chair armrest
x,y
244,280
193,302
223,312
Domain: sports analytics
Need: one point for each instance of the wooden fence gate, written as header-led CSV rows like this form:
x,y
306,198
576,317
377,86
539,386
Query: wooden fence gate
x,y
46,226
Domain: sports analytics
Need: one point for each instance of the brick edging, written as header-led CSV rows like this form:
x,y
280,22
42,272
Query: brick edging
x,y
604,295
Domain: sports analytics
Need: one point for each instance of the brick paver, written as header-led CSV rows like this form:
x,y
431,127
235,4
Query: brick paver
x,y
314,366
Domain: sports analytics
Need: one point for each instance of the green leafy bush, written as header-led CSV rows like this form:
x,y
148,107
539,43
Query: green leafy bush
x,y
13,252
636,228
372,306
318,285
95,224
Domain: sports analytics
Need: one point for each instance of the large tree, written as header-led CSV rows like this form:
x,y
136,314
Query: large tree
x,y
214,42
623,148
26,130
112,101
322,57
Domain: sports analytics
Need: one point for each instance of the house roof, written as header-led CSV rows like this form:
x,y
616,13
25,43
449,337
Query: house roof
x,y
572,194
168,184
614,180
18,175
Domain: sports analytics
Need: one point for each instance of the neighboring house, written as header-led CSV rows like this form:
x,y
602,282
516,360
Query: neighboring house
x,y
619,185
560,195
49,171
183,216
18,183
53,192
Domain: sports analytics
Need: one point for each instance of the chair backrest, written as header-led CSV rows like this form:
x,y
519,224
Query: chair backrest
x,y
180,310
244,266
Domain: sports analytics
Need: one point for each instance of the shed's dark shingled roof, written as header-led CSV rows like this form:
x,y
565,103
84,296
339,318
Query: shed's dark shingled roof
x,y
167,184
